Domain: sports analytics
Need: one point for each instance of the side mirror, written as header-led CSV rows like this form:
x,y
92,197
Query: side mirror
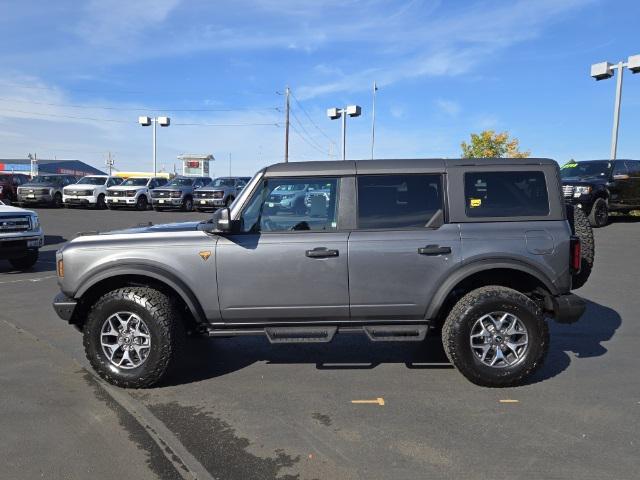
x,y
621,176
221,222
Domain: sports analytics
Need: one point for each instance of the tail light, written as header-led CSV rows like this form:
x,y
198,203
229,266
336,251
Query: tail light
x,y
576,254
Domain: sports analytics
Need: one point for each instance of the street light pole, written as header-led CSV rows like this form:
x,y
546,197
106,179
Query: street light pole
x,y
154,148
335,113
148,121
605,70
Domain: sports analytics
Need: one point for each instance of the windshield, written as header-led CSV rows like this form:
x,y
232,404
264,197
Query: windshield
x,y
586,169
92,180
135,182
46,179
180,182
222,182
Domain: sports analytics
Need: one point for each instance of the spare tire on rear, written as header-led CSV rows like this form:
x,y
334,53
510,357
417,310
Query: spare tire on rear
x,y
581,228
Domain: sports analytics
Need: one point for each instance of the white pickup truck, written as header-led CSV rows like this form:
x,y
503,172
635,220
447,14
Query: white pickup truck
x,y
20,236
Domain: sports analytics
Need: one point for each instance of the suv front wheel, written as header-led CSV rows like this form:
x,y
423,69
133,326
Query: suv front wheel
x,y
133,335
496,336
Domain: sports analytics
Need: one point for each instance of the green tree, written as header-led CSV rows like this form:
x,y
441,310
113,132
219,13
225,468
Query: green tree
x,y
488,143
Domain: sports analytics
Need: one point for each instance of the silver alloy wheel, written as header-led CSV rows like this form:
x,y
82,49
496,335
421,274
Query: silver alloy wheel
x,y
125,340
499,339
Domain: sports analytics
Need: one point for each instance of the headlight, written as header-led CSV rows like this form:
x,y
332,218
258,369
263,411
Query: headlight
x,y
51,191
131,193
581,190
35,222
218,194
177,194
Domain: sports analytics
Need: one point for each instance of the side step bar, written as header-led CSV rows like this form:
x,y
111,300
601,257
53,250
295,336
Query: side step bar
x,y
300,334
325,333
396,333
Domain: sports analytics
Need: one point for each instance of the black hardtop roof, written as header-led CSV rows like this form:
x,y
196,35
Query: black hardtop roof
x,y
418,165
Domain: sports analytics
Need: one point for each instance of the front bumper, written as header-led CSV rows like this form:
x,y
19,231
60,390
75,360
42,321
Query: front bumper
x,y
64,307
568,308
208,203
166,202
18,246
121,201
35,198
78,200
585,202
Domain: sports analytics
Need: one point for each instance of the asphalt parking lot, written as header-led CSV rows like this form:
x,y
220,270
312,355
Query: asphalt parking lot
x,y
244,409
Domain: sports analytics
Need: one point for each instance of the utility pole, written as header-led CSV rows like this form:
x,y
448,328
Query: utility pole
x,y
286,125
373,118
110,163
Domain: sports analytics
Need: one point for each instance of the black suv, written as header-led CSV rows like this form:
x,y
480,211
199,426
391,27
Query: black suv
x,y
602,186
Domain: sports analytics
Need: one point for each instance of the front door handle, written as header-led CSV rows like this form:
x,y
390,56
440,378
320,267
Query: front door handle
x,y
434,250
321,252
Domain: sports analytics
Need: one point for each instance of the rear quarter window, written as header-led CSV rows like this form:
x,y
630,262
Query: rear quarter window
x,y
506,194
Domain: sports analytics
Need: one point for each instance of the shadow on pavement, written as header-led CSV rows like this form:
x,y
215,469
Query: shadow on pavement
x,y
46,263
209,358
584,339
53,240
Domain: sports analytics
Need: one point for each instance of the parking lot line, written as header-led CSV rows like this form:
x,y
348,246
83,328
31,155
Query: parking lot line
x,y
378,401
509,400
38,279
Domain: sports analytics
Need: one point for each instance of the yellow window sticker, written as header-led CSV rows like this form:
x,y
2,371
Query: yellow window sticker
x,y
475,202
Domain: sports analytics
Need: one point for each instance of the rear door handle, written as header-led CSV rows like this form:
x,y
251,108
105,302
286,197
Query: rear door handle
x,y
321,252
434,250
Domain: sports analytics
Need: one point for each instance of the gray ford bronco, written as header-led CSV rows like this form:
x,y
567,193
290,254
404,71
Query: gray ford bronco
x,y
481,251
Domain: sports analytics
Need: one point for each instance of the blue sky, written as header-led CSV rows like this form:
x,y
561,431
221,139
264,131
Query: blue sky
x,y
75,76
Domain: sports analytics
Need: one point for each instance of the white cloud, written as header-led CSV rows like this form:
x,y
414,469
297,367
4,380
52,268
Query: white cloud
x,y
449,107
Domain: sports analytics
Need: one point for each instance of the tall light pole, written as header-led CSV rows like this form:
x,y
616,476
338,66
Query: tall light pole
x,y
145,122
335,113
605,70
373,118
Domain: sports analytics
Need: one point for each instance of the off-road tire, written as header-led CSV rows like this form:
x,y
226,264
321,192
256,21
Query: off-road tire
x,y
581,228
165,327
457,327
26,262
595,219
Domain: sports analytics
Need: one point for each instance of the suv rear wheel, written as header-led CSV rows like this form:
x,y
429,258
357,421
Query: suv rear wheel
x,y
496,336
133,336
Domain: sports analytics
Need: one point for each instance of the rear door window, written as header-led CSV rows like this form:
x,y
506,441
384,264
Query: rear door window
x,y
506,194
398,201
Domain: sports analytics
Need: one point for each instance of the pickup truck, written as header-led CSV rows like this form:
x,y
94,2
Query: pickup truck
x,y
20,236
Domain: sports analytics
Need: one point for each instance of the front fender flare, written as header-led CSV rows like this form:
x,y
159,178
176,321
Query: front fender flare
x,y
145,270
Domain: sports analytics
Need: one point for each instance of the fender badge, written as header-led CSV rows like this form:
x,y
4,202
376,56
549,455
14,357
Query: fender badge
x,y
205,255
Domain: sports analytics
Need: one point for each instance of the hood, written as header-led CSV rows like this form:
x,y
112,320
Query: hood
x,y
585,180
214,189
8,209
172,188
83,185
167,227
126,187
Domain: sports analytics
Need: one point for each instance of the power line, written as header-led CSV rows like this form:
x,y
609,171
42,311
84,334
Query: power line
x,y
309,117
96,119
307,141
124,92
304,129
139,109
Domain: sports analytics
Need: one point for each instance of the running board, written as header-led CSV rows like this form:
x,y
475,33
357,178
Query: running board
x,y
396,333
300,334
